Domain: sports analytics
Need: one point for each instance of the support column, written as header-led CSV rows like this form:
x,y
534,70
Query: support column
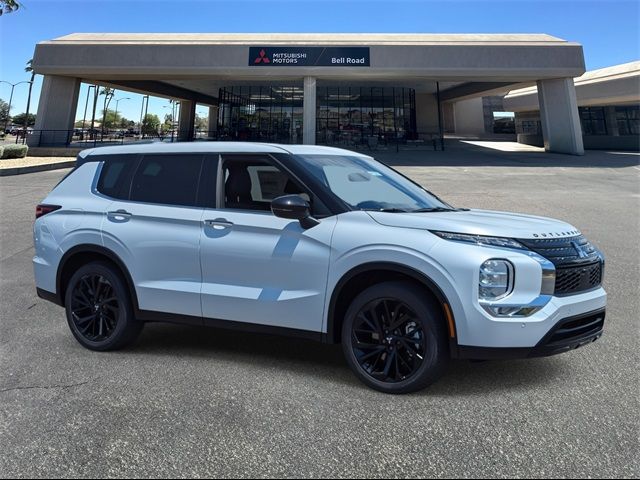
x,y
309,112
56,112
611,121
559,116
213,121
186,121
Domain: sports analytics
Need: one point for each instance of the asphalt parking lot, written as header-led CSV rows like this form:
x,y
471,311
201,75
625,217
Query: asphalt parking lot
x,y
187,401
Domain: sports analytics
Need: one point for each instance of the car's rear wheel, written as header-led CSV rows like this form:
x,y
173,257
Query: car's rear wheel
x,y
98,307
394,338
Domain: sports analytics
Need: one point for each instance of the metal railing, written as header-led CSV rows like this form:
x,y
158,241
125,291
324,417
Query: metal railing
x,y
77,138
82,139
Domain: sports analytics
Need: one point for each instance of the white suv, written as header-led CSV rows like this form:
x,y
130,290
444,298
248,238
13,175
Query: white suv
x,y
315,242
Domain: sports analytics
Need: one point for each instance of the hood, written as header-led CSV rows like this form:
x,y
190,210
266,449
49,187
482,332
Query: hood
x,y
480,222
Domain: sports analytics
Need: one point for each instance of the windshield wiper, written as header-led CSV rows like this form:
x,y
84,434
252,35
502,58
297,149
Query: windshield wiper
x,y
435,209
388,210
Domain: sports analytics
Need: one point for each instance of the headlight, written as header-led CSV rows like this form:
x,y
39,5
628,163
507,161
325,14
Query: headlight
x,y
481,240
496,279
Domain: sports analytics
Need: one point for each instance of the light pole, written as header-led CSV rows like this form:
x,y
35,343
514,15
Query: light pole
x,y
201,115
143,112
172,106
116,115
175,125
86,104
13,85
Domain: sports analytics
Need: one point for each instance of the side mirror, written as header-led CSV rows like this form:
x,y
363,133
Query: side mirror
x,y
294,207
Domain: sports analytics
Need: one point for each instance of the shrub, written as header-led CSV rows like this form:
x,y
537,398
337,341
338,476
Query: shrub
x,y
1,150
14,151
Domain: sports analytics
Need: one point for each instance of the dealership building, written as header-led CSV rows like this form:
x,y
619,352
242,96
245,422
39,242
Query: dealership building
x,y
608,107
316,88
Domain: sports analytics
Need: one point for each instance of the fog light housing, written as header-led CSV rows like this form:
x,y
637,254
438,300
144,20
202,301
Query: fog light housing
x,y
496,280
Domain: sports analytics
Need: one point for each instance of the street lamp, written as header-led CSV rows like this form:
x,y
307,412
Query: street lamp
x,y
172,106
116,115
86,104
143,112
13,85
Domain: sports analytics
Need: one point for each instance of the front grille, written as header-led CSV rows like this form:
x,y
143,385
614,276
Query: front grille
x,y
579,265
572,280
563,251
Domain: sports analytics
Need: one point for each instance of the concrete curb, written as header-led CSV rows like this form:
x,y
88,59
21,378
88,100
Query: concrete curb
x,y
5,172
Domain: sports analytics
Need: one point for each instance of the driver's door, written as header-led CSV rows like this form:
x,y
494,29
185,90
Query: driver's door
x,y
256,267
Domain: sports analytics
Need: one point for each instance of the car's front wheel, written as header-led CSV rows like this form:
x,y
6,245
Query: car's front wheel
x,y
98,307
394,338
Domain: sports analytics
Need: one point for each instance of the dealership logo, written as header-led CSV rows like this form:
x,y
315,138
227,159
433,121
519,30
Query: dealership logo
x,y
262,57
303,56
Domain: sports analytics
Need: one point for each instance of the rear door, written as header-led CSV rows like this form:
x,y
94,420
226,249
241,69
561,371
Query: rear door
x,y
154,227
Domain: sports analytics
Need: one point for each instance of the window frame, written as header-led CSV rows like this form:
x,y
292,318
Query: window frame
x,y
590,117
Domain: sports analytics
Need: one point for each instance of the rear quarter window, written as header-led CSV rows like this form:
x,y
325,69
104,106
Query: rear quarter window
x,y
115,177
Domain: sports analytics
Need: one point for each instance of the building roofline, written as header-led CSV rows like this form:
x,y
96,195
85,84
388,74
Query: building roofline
x,y
371,39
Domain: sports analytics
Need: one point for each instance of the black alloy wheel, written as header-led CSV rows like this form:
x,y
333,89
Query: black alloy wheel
x,y
394,337
388,341
95,309
99,308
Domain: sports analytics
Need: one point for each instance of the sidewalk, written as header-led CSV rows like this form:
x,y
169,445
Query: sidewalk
x,y
17,166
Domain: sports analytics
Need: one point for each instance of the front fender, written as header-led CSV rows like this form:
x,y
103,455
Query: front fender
x,y
349,252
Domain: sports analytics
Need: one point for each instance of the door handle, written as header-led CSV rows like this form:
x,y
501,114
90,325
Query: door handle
x,y
218,222
119,214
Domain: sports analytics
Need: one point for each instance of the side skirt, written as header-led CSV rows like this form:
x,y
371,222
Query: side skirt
x,y
151,316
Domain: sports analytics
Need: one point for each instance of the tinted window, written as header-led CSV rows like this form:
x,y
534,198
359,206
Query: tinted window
x,y
252,184
115,177
167,179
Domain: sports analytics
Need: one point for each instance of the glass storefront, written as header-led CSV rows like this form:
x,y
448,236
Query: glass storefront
x,y
352,115
344,115
628,118
593,120
260,114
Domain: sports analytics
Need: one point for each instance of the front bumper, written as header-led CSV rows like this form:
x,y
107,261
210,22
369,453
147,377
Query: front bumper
x,y
567,334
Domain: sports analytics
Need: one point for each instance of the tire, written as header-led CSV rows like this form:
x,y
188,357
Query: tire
x,y
99,310
411,355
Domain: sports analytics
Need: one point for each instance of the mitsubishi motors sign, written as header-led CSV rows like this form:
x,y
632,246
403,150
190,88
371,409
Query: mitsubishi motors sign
x,y
309,56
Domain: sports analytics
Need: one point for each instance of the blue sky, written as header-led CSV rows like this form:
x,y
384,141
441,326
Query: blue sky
x,y
608,29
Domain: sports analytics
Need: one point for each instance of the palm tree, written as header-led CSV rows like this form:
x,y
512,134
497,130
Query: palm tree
x,y
29,69
8,6
108,95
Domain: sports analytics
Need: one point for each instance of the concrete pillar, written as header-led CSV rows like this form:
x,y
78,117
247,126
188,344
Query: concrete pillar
x,y
426,113
559,116
213,121
309,112
469,117
186,121
56,111
449,117
611,119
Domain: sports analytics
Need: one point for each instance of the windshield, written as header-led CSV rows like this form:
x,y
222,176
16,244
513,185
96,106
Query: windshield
x,y
365,184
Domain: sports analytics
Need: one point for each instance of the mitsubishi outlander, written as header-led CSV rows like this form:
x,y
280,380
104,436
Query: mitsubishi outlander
x,y
314,242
